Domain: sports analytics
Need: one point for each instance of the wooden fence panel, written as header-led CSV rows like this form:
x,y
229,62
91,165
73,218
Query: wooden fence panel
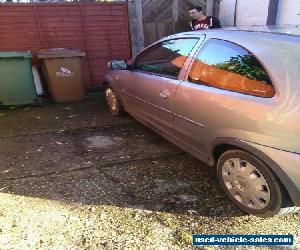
x,y
99,29
159,19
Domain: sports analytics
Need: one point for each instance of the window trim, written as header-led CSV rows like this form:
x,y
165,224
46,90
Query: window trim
x,y
206,40
191,54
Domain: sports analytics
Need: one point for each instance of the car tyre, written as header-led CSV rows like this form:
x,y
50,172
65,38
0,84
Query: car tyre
x,y
251,185
113,102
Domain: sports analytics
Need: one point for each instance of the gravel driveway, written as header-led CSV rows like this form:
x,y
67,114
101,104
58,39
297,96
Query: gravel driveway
x,y
73,177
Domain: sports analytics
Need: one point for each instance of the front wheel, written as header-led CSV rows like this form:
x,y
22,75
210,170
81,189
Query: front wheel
x,y
250,184
114,104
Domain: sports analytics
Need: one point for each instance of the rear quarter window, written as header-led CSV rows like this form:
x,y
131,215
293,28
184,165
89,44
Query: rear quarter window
x,y
225,65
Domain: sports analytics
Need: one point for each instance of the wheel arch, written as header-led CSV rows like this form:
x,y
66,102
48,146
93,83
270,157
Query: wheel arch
x,y
220,145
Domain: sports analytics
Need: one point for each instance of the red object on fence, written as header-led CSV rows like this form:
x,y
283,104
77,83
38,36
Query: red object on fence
x,y
99,29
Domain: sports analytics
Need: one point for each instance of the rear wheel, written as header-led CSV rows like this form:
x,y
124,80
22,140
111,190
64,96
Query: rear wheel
x,y
250,184
114,104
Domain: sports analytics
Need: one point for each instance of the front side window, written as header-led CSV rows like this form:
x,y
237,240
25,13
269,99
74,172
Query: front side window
x,y
225,65
166,58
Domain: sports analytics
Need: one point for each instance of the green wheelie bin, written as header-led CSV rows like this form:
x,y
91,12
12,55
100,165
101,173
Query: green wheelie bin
x,y
16,79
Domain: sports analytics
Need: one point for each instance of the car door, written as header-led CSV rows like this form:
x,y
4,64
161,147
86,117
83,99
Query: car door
x,y
152,81
223,79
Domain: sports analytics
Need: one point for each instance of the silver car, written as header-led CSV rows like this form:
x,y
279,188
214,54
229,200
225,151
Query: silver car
x,y
231,98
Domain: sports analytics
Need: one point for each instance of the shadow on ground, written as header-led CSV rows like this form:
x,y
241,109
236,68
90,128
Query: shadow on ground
x,y
79,153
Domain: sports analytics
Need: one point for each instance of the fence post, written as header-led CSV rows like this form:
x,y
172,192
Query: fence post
x,y
81,10
37,20
175,10
135,10
175,14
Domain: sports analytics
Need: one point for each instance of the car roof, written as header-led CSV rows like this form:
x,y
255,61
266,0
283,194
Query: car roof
x,y
272,31
290,30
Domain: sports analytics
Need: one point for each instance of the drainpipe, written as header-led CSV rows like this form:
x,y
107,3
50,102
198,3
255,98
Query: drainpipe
x,y
235,13
210,8
272,12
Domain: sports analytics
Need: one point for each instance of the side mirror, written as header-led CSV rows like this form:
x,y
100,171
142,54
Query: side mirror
x,y
117,65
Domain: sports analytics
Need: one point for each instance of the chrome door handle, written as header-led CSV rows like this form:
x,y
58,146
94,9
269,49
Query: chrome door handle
x,y
164,94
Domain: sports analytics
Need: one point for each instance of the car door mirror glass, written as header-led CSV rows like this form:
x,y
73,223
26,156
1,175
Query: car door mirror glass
x,y
118,65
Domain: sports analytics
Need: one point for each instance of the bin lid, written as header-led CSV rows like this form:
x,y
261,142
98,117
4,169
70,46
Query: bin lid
x,y
14,54
60,52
